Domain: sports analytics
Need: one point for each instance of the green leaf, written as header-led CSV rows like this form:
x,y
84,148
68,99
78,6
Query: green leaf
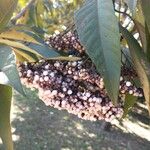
x,y
44,50
147,42
5,127
142,34
40,50
17,35
129,103
146,11
7,8
9,74
30,57
140,61
139,16
98,31
66,58
132,5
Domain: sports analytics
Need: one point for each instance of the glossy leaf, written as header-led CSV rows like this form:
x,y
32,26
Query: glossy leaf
x,y
6,11
8,69
98,31
141,63
5,104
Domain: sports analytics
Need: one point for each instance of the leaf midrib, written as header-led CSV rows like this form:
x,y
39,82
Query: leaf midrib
x,y
98,12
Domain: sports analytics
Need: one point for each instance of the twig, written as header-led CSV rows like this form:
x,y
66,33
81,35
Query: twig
x,y
124,14
22,12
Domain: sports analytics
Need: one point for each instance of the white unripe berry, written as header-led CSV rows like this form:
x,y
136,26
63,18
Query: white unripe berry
x,y
69,92
47,42
128,83
46,78
75,77
74,64
63,103
47,67
57,64
69,72
41,79
29,72
52,74
131,92
45,73
36,77
54,92
88,94
61,95
84,98
64,89
121,78
140,95
47,92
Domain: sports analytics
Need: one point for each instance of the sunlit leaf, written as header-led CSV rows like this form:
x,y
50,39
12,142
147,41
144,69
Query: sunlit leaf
x,y
66,58
6,10
5,104
9,74
40,50
141,63
18,35
129,103
30,57
98,31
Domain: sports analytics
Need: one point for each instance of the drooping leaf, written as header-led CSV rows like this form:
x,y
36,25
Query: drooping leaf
x,y
98,31
17,35
9,70
19,58
40,50
44,50
6,10
146,11
129,103
5,127
140,61
30,57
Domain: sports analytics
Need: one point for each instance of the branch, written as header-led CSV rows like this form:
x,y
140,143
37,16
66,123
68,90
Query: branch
x,y
22,12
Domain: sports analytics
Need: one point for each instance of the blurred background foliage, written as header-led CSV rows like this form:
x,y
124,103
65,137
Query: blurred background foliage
x,y
48,15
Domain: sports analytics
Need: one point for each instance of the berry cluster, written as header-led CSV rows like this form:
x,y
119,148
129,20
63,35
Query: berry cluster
x,y
65,42
74,87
